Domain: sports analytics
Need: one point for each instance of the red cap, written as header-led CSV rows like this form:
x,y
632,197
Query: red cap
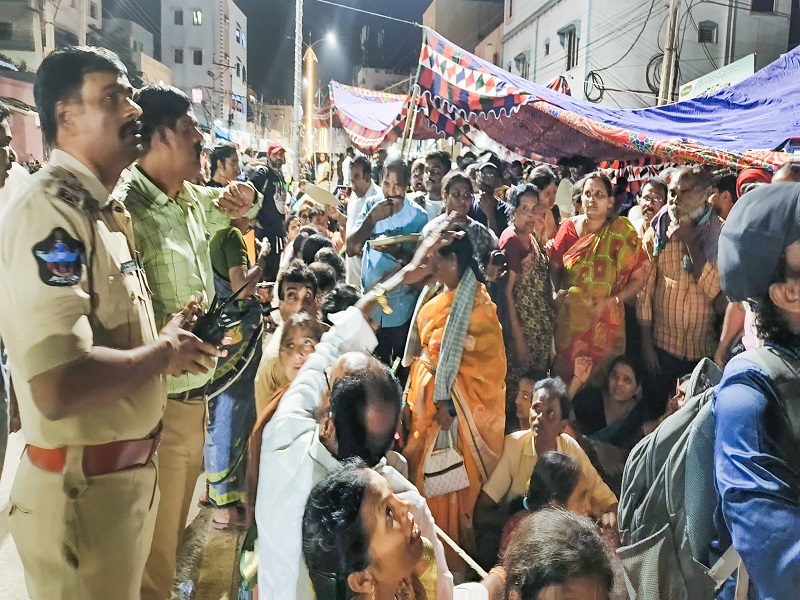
x,y
274,148
752,174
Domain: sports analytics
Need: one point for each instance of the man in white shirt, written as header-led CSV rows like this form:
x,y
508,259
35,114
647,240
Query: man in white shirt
x,y
350,154
343,403
363,188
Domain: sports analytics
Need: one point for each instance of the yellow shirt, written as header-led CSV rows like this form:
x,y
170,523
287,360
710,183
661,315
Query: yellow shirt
x,y
510,478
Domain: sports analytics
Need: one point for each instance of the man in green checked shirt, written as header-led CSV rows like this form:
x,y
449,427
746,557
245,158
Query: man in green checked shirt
x,y
173,221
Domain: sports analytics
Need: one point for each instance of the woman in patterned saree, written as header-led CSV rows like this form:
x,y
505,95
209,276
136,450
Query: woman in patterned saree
x,y
529,294
597,264
456,387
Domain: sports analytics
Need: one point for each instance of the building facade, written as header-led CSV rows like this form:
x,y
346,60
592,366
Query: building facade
x,y
464,22
29,29
611,52
204,43
380,79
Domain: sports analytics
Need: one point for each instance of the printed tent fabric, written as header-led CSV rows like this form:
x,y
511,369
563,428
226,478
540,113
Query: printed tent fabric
x,y
373,119
736,127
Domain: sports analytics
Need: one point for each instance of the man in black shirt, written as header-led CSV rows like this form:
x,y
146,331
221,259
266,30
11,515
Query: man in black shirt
x,y
270,182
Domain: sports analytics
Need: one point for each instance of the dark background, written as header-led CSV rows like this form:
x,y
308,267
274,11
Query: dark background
x,y
270,50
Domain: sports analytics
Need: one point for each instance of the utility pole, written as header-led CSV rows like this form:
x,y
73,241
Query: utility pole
x,y
670,52
298,86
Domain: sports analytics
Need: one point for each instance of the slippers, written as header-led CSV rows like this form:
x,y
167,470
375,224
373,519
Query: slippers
x,y
230,525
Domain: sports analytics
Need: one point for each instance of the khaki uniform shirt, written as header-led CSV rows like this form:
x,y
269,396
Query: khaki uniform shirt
x,y
71,281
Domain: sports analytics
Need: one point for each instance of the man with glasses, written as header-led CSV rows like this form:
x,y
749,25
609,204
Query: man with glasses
x,y
652,199
678,306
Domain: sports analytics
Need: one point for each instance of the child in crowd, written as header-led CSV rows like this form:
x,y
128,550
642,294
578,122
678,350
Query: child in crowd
x,y
554,484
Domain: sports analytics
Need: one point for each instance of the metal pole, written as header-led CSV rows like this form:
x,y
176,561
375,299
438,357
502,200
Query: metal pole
x,y
667,64
408,132
298,87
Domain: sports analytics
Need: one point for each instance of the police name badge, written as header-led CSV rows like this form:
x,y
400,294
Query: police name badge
x,y
60,258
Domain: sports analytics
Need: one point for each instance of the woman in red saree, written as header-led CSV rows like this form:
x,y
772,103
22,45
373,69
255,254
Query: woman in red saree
x,y
597,264
470,404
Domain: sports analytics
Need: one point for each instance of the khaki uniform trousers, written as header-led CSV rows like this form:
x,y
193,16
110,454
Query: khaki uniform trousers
x,y
180,459
83,538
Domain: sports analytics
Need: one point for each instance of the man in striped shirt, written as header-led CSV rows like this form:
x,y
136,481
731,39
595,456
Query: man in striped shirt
x,y
677,307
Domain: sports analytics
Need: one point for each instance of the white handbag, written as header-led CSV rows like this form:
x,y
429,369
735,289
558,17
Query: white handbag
x,y
443,471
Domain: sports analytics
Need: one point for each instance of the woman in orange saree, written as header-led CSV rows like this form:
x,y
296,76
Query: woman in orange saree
x,y
469,403
598,264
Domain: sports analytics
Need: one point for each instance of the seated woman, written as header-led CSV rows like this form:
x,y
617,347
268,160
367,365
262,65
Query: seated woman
x,y
456,392
554,484
548,420
597,264
613,413
362,541
557,554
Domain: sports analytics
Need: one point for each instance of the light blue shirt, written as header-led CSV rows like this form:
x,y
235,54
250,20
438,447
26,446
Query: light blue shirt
x,y
376,266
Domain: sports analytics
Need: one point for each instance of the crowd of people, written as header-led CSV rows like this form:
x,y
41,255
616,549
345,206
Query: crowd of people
x,y
410,351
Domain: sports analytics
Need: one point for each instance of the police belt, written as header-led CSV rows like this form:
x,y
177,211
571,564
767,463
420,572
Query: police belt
x,y
196,394
99,460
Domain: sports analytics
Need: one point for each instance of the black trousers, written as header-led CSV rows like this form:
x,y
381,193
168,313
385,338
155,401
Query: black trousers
x,y
392,345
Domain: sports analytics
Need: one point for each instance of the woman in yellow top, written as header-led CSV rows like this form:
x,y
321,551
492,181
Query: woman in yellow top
x,y
456,386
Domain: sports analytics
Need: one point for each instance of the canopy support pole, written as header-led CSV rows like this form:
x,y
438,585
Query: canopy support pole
x,y
411,120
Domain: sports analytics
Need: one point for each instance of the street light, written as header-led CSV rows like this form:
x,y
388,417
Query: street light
x,y
311,59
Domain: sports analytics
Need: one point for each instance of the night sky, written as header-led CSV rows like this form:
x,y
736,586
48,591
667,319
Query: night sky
x,y
271,42
271,37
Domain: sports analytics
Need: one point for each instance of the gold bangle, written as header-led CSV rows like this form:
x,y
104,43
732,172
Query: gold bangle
x,y
380,297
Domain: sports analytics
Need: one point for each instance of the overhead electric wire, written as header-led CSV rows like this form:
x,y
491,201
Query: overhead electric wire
x,y
368,12
636,39
600,41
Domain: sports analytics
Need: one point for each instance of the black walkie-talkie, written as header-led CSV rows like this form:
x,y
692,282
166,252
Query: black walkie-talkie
x,y
212,325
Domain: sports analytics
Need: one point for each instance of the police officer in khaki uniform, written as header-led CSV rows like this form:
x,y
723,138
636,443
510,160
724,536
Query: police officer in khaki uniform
x,y
88,364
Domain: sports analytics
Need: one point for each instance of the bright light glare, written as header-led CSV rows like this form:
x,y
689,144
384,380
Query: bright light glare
x,y
330,37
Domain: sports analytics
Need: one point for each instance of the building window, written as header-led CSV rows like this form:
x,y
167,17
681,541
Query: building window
x,y
707,32
93,10
572,48
197,57
178,16
197,17
244,41
244,73
238,69
6,30
762,6
547,47
73,3
522,63
178,56
238,34
510,8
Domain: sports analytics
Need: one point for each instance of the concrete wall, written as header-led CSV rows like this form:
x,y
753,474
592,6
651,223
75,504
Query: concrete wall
x,y
24,127
152,70
379,79
607,30
139,38
491,48
463,22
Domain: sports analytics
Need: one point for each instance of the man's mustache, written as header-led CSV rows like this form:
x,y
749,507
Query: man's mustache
x,y
131,128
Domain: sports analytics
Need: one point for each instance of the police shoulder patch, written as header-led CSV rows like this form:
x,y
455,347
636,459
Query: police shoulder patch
x,y
60,257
